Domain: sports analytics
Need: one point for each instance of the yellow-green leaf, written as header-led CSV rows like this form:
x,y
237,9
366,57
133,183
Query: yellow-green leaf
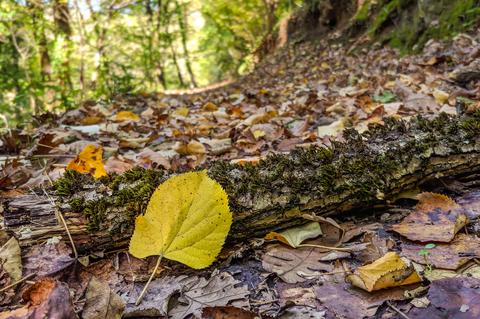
x,y
187,220
296,235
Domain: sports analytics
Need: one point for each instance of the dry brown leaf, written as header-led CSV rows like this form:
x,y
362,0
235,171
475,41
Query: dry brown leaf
x,y
436,218
102,302
10,258
388,271
347,302
227,312
219,290
297,265
47,298
457,298
448,256
191,148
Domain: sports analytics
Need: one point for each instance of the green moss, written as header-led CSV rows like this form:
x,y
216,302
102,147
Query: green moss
x,y
77,204
363,12
443,20
70,183
386,9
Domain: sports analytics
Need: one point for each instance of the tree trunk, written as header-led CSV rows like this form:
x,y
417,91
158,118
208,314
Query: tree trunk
x,y
64,31
183,26
362,171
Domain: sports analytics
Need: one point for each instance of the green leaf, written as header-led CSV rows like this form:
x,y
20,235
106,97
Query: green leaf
x,y
385,97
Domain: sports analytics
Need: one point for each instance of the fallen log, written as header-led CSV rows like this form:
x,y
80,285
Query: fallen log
x,y
363,170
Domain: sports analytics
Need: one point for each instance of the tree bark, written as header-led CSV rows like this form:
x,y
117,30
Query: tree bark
x,y
362,171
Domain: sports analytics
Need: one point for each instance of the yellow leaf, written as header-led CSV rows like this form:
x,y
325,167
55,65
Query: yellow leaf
x,y
296,235
187,220
258,133
385,272
89,161
182,111
192,148
440,96
123,116
209,106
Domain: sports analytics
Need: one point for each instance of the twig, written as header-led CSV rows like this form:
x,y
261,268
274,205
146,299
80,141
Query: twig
x,y
59,214
144,290
398,311
325,247
17,282
260,303
20,157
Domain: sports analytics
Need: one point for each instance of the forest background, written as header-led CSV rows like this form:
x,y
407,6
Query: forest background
x,y
57,53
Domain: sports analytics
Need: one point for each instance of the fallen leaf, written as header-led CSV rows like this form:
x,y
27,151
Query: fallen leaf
x,y
89,161
182,111
209,106
388,271
258,133
472,270
217,146
227,312
350,303
124,116
48,260
116,164
440,96
302,312
436,218
190,148
297,265
291,294
10,258
220,290
447,256
187,220
101,301
46,298
457,298
331,130
386,97
156,300
151,159
5,280
296,235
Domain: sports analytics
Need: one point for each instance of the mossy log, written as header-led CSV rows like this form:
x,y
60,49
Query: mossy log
x,y
356,173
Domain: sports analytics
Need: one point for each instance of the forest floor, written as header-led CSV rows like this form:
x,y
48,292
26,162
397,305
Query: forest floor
x,y
304,95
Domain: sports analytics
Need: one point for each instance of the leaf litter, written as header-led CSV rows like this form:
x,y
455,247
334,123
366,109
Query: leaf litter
x,y
300,104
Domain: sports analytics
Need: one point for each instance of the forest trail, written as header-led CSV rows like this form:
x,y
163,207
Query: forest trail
x,y
304,95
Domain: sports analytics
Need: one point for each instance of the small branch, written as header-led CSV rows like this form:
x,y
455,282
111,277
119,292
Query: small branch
x,y
398,311
60,216
17,282
326,247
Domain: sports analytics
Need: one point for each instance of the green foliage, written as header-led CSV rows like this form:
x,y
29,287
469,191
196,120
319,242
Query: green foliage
x,y
416,22
385,97
55,53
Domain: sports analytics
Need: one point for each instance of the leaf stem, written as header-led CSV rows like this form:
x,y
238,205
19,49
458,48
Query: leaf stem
x,y
139,299
325,247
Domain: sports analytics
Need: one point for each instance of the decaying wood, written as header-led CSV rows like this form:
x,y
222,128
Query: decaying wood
x,y
357,173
